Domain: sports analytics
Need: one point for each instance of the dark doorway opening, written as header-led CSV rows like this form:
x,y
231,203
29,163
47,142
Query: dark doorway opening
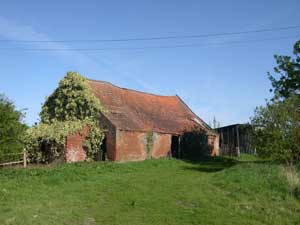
x,y
175,147
101,154
103,150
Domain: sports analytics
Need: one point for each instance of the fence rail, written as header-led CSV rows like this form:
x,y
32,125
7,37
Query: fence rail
x,y
13,159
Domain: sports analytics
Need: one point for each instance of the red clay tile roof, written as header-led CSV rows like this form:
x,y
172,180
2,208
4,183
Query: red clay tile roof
x,y
139,111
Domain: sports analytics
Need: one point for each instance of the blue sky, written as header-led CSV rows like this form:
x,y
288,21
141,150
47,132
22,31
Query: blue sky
x,y
226,81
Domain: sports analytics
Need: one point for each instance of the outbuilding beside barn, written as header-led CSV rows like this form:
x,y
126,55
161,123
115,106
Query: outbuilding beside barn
x,y
235,139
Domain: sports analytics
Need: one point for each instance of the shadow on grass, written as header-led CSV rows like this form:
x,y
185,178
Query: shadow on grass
x,y
216,164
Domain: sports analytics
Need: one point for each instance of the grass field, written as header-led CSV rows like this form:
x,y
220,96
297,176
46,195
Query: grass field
x,y
219,191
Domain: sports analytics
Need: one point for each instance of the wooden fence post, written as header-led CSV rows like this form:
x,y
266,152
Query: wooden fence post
x,y
24,159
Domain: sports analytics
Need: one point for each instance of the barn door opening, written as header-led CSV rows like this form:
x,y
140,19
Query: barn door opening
x,y
103,150
175,146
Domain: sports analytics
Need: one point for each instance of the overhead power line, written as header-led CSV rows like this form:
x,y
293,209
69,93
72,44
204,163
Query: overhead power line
x,y
160,37
149,47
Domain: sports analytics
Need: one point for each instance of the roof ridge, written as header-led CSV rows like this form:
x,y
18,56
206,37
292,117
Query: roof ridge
x,y
188,108
145,111
128,89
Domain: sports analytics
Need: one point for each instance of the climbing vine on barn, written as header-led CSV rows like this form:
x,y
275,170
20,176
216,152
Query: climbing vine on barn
x,y
70,108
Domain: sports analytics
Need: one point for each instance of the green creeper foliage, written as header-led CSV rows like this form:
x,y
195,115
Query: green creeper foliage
x,y
68,110
11,127
44,142
149,142
72,100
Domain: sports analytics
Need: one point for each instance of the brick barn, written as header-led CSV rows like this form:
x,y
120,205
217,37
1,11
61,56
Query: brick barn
x,y
140,125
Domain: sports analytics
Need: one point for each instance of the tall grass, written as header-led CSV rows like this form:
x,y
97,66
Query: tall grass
x,y
292,176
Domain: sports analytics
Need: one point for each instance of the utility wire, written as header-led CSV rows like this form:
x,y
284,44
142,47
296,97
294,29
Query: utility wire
x,y
148,47
160,37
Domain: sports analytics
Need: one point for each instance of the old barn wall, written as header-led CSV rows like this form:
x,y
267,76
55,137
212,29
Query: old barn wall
x,y
161,145
135,146
128,145
74,151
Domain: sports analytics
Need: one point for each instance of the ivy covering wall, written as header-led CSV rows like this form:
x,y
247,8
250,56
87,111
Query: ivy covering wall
x,y
149,143
70,108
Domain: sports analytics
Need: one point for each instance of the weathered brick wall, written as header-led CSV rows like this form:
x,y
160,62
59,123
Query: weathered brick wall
x,y
131,146
127,145
161,145
74,151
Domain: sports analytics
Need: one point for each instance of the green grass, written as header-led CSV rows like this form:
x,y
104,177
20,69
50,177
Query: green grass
x,y
216,191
